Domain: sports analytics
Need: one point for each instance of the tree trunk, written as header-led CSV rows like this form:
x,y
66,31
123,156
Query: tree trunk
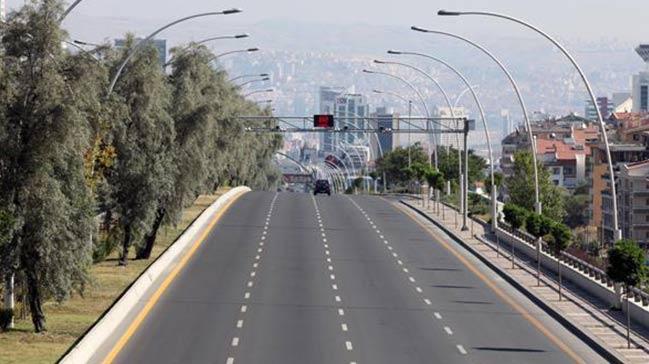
x,y
34,296
126,244
144,252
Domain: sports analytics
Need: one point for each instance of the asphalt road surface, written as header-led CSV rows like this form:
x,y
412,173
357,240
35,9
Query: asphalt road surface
x,y
289,278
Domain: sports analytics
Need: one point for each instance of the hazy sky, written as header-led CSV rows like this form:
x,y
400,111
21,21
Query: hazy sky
x,y
590,19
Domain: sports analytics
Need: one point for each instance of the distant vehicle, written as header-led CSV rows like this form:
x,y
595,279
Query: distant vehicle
x,y
322,186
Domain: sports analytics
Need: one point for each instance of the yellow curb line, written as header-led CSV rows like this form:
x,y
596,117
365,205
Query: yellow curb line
x,y
132,328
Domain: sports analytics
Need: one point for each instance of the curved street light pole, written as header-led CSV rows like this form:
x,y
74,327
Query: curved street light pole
x,y
206,40
537,202
144,41
253,81
419,95
459,97
450,107
257,92
248,76
68,10
617,233
247,50
466,154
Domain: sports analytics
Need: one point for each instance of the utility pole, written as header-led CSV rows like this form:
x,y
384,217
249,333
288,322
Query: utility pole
x,y
9,296
465,193
409,128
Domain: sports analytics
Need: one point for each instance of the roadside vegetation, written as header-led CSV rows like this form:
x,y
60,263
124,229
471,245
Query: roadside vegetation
x,y
88,178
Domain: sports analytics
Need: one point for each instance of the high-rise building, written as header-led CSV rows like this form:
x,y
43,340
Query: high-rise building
x,y
327,105
160,45
385,120
605,106
640,82
350,111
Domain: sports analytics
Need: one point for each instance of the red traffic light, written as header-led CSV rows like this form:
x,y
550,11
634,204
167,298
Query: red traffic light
x,y
323,121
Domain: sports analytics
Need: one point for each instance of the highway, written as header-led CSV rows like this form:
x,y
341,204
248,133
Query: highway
x,y
292,278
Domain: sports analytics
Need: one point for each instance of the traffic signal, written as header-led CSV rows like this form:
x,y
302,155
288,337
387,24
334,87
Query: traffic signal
x,y
323,121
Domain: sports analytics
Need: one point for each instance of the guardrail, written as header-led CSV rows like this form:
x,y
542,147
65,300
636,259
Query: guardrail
x,y
636,294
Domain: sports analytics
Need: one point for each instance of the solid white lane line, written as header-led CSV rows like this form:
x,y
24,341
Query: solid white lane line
x,y
244,308
348,344
235,341
448,330
343,326
239,324
437,315
461,349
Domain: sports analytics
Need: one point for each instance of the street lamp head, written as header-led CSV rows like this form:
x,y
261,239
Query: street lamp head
x,y
264,75
265,79
418,29
448,13
243,35
391,51
270,90
377,91
379,62
252,49
367,71
231,11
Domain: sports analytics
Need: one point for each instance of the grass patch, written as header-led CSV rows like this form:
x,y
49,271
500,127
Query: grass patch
x,y
70,319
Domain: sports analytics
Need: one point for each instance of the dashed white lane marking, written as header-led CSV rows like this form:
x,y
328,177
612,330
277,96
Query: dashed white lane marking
x,y
257,257
253,273
328,260
332,277
250,283
235,341
244,308
230,360
341,312
428,302
334,287
255,265
330,268
349,346
343,326
337,298
247,295
239,324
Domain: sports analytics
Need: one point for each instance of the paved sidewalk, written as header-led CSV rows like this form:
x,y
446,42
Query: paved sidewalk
x,y
583,310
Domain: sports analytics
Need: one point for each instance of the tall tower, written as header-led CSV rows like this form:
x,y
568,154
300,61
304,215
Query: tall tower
x,y
3,10
641,82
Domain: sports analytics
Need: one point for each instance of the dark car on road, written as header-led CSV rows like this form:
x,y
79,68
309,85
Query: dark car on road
x,y
322,186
